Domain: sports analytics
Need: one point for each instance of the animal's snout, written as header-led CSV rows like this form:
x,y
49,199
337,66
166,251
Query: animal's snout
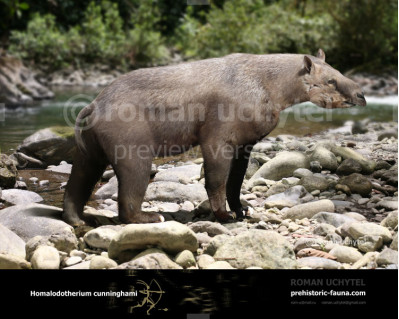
x,y
360,96
361,100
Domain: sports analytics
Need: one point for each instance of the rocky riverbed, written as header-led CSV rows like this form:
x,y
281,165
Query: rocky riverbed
x,y
327,201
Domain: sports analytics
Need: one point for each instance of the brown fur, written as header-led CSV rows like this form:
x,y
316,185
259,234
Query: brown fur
x,y
226,104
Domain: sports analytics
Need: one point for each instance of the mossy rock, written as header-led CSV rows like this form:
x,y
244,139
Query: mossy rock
x,y
63,131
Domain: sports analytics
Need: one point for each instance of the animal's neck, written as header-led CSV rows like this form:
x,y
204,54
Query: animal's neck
x,y
281,79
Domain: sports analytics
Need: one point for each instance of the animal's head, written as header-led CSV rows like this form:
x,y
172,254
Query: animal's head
x,y
327,87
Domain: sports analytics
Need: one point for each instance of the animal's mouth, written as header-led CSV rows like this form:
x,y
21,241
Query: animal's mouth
x,y
349,104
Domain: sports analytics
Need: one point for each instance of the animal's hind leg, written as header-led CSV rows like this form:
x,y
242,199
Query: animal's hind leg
x,y
86,171
133,177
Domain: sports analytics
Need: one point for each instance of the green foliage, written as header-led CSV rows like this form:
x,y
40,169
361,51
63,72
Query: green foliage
x,y
99,39
252,27
42,43
359,34
367,35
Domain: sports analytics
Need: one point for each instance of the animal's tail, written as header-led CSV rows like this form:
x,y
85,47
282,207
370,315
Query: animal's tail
x,y
85,112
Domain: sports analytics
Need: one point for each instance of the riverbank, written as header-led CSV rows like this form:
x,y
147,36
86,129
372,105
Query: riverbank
x,y
325,201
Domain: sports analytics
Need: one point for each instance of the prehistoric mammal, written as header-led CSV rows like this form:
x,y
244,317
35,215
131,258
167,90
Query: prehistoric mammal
x,y
225,105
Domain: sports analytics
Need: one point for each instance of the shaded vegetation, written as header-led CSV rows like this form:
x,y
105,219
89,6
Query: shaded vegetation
x,y
54,34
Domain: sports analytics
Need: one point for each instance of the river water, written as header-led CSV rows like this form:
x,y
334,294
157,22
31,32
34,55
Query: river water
x,y
302,119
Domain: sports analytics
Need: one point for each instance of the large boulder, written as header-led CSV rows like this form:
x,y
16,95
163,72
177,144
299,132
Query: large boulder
x,y
18,84
8,172
170,236
20,196
31,220
11,243
257,248
283,165
50,145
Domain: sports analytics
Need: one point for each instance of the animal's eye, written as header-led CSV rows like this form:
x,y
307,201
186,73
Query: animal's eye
x,y
332,81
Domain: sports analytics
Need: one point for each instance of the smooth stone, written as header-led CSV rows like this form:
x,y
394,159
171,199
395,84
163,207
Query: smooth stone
x,y
391,221
108,189
369,243
204,261
64,168
361,229
45,257
387,256
211,228
215,243
78,253
168,207
203,239
368,258
101,237
308,210
289,198
31,220
219,265
326,158
324,229
150,259
355,216
389,205
282,165
11,243
276,189
312,183
8,261
259,248
100,262
185,259
187,206
261,158
171,236
333,219
175,192
349,166
318,263
20,196
302,172
72,261
387,134
357,183
346,254
176,173
263,147
82,265
108,174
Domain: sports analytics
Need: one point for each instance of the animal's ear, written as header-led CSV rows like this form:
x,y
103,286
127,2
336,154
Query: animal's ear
x,y
307,64
321,55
